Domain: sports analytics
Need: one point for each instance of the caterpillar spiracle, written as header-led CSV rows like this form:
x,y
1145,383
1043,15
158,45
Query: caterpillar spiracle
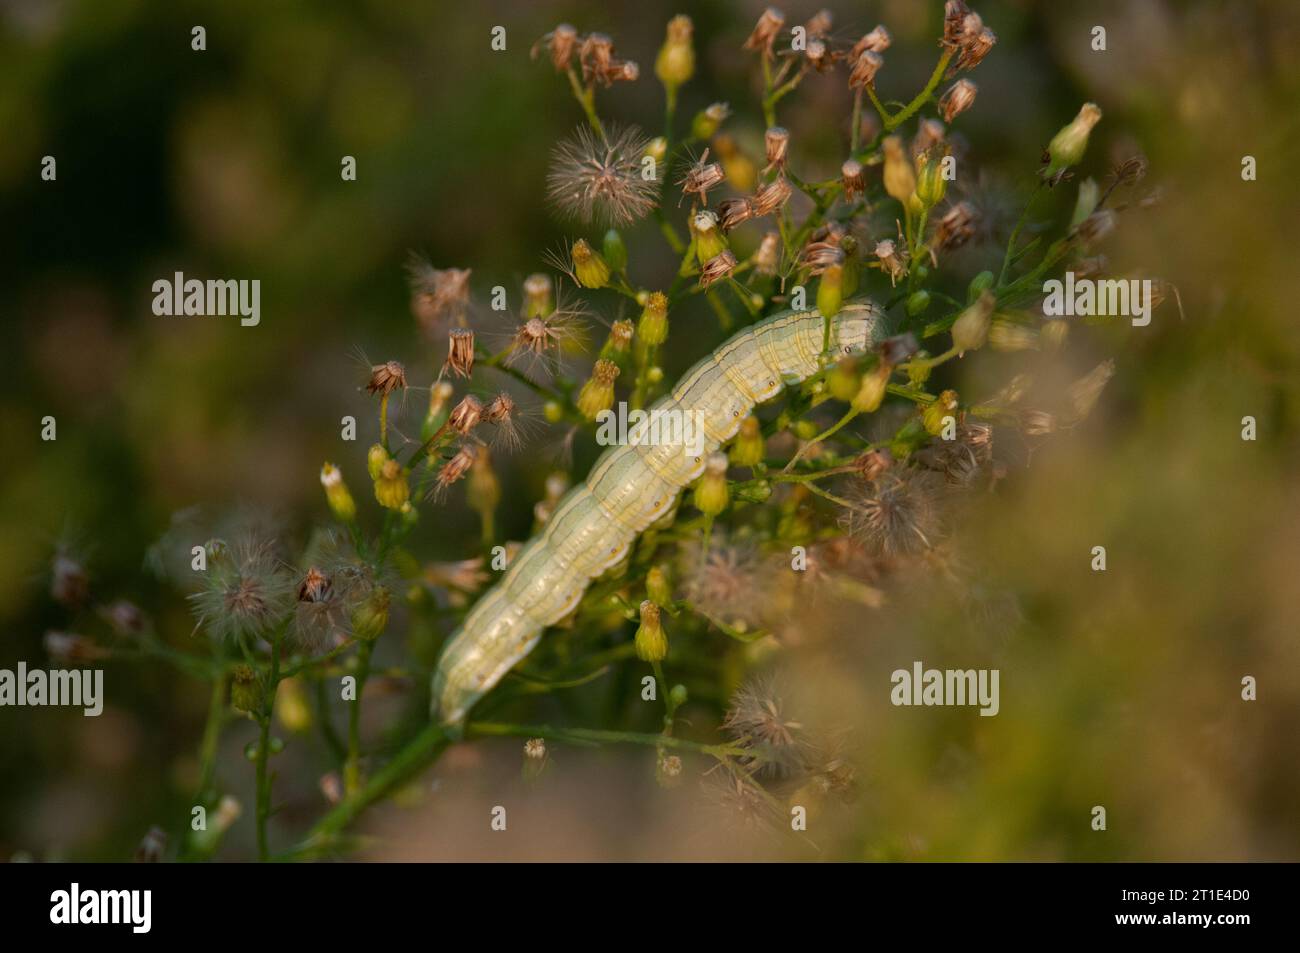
x,y
629,488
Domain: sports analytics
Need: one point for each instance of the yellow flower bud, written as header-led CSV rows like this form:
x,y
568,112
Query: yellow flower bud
x,y
830,291
871,392
971,329
938,411
930,183
337,494
652,330
391,486
590,270
597,393
675,63
657,586
376,457
1068,146
712,494
651,641
900,179
747,451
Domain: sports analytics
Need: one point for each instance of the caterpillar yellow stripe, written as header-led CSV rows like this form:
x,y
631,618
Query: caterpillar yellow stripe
x,y
629,488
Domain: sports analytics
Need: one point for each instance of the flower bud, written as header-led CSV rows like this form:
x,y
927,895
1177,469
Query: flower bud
x,y
590,270
844,380
706,121
900,178
938,411
597,393
1053,335
440,395
971,329
1068,146
651,641
747,451
712,494
246,691
978,285
830,291
376,457
657,149
391,486
675,63
918,370
930,183
652,330
1009,336
709,242
539,296
337,494
483,491
614,249
657,586
370,617
871,392
917,303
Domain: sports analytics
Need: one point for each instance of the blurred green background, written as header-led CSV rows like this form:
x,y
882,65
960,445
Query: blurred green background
x,y
1119,689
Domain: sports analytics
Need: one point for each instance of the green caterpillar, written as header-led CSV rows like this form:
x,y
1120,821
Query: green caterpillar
x,y
629,488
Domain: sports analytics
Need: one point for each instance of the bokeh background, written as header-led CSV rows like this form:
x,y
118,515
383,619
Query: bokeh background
x,y
1119,688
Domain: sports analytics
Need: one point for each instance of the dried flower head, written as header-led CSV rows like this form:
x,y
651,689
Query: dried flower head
x,y
599,180
438,293
956,227
771,197
718,267
460,352
386,378
776,142
701,176
246,593
539,340
891,260
764,34
897,514
958,98
759,719
865,68
820,256
466,415
768,255
69,582
560,43
453,470
854,177
733,212
877,41
320,615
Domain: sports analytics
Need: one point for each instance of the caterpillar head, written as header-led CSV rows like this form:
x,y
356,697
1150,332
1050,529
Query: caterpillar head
x,y
856,327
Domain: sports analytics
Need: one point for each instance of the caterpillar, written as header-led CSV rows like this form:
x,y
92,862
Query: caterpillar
x,y
629,488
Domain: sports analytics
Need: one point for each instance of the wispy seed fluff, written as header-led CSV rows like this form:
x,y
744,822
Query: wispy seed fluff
x,y
246,592
600,181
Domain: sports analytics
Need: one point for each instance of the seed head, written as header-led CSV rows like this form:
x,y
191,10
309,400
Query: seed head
x,y
771,197
896,514
438,293
865,68
466,415
599,180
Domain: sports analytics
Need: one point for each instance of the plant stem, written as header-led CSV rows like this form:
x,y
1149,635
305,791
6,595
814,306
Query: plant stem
x,y
352,767
264,750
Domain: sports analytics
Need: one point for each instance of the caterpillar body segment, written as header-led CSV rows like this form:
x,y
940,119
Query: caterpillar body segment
x,y
629,488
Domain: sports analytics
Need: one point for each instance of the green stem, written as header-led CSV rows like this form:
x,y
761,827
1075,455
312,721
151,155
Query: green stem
x,y
897,119
352,767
